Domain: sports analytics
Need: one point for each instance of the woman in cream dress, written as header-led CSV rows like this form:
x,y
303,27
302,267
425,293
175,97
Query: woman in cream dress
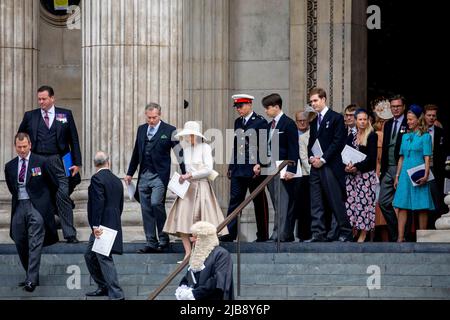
x,y
200,202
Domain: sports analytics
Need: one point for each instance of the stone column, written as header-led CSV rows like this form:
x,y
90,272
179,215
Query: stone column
x,y
131,56
18,75
341,50
18,69
206,73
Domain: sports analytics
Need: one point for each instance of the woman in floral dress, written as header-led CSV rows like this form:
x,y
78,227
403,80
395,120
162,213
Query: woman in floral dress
x,y
361,177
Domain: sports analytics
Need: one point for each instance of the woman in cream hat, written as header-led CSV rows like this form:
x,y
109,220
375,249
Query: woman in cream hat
x,y
199,202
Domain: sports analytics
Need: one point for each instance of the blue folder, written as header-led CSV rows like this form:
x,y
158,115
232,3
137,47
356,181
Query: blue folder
x,y
67,161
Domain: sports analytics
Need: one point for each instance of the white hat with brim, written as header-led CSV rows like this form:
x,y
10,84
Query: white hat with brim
x,y
190,128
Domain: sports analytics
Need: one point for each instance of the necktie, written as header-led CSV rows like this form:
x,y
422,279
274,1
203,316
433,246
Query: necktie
x,y
22,170
273,124
151,133
47,119
320,119
244,121
394,131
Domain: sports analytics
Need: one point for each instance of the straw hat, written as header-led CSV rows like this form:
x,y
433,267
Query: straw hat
x,y
190,127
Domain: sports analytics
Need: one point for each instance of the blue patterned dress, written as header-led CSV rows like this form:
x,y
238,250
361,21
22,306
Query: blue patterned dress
x,y
413,148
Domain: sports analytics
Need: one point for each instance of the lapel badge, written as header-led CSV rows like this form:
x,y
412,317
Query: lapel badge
x,y
36,171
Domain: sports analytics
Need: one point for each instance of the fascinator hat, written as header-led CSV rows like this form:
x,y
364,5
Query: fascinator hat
x,y
383,110
416,109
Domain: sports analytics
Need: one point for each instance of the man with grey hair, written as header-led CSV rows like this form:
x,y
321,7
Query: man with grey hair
x,y
105,205
152,154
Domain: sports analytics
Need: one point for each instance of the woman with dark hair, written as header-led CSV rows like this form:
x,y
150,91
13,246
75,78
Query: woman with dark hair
x,y
415,150
361,178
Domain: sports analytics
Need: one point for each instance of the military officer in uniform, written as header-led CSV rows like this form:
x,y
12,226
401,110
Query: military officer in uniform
x,y
249,130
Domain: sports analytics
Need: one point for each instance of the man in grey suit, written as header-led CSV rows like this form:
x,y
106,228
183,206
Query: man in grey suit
x,y
105,205
33,225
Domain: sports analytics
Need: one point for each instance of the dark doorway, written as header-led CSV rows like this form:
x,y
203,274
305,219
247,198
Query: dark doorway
x,y
407,54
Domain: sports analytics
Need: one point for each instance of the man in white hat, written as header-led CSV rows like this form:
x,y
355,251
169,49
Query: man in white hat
x,y
248,128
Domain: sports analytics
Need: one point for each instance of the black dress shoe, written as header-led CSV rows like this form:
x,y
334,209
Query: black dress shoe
x,y
226,238
148,249
29,286
260,240
316,239
100,292
72,240
163,246
22,284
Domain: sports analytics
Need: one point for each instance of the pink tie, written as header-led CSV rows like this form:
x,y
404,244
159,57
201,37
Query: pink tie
x,y
47,120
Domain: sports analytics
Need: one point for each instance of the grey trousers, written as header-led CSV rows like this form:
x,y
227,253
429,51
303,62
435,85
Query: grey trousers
x,y
152,194
103,271
28,232
63,202
386,197
282,196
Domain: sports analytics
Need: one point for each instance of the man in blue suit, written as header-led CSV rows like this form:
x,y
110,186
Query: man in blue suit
x,y
152,154
248,128
327,176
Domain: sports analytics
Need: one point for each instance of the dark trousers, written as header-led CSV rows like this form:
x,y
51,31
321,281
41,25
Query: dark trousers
x,y
302,208
152,194
325,190
283,200
386,197
437,193
103,271
238,191
28,233
63,201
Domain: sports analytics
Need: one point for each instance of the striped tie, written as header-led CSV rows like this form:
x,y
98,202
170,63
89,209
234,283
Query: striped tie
x,y
22,170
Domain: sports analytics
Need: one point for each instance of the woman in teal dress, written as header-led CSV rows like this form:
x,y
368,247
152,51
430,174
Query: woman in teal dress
x,y
415,150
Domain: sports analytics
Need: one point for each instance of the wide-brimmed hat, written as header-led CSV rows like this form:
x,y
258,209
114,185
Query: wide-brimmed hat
x,y
190,127
383,110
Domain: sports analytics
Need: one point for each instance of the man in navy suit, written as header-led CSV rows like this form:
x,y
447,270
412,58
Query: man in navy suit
x,y
248,128
32,186
282,145
393,132
327,177
151,153
105,205
53,134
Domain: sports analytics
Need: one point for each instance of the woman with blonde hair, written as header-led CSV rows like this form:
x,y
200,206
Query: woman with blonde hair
x,y
199,202
415,150
361,178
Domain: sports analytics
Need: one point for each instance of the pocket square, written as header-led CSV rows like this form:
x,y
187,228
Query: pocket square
x,y
164,137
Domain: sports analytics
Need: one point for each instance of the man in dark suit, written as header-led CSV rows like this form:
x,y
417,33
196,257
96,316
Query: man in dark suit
x,y
53,134
33,225
248,129
437,163
105,205
282,145
392,139
327,177
151,153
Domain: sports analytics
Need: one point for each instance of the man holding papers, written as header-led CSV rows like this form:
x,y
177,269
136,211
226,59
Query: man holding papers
x,y
327,176
53,135
415,150
151,154
105,205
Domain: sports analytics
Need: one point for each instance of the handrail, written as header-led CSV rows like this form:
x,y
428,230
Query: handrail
x,y
224,223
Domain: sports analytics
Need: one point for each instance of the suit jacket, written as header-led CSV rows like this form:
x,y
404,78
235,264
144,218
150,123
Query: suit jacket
x,y
252,135
287,141
370,150
105,204
161,144
41,189
387,133
66,132
332,136
440,147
